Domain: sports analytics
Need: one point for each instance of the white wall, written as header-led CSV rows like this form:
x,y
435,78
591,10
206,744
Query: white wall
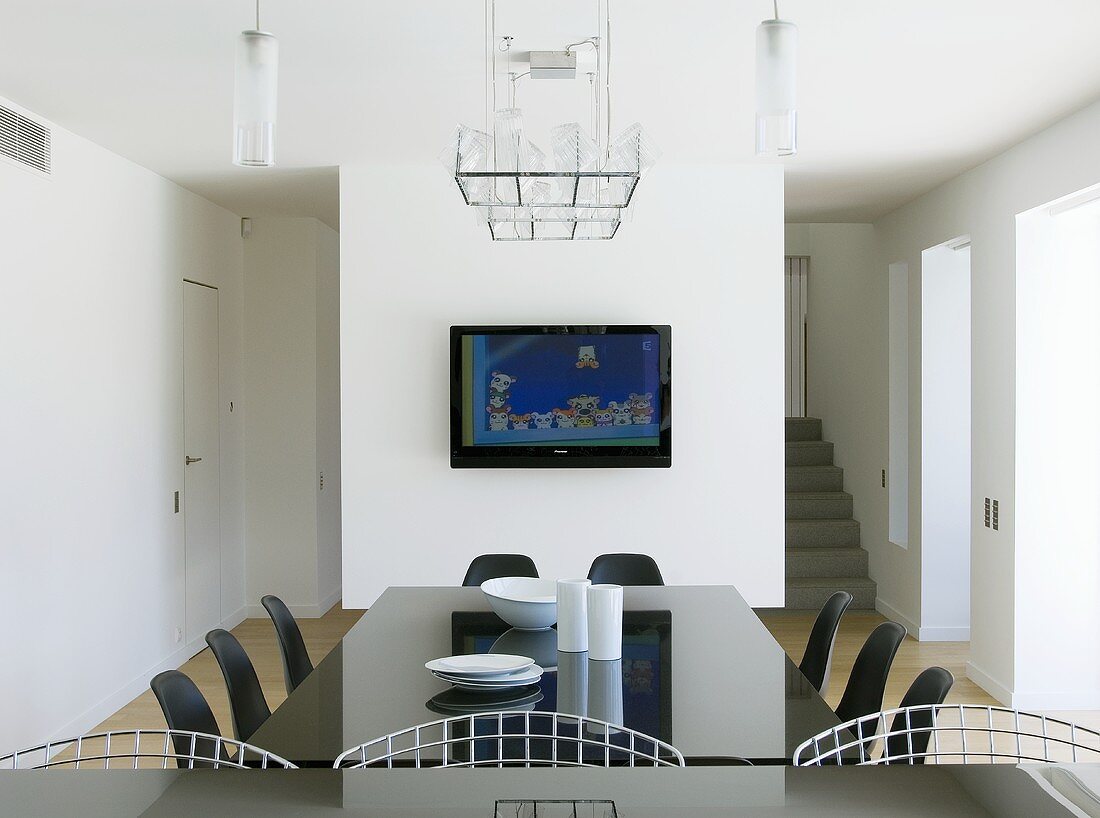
x,y
291,382
415,263
91,346
1007,652
1058,471
945,444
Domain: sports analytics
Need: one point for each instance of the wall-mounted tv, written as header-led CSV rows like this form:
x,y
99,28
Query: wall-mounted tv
x,y
561,396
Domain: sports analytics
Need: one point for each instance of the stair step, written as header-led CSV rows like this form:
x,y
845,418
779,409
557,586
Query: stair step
x,y
819,505
810,593
826,562
803,429
822,533
815,478
809,453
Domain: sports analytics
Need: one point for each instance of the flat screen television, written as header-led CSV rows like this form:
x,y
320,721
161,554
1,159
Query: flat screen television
x,y
561,396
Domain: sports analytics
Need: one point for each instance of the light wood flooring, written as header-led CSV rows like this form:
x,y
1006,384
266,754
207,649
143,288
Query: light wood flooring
x,y
789,628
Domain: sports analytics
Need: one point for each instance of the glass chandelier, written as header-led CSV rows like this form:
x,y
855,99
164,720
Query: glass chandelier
x,y
583,189
776,107
255,97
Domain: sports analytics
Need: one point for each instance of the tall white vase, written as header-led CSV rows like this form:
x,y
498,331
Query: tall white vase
x,y
573,615
605,622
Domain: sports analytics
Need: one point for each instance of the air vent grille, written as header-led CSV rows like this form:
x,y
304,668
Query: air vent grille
x,y
24,140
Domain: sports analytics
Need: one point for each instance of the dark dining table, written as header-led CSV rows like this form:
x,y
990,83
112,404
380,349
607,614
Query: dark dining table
x,y
699,792
699,670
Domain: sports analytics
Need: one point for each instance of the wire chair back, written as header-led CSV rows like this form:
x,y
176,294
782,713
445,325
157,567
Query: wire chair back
x,y
513,739
950,734
140,749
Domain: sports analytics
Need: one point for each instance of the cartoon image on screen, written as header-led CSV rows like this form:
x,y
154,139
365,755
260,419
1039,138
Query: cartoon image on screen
x,y
549,389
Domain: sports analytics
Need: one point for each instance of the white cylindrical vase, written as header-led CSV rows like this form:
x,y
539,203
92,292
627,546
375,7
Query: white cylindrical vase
x,y
573,615
605,622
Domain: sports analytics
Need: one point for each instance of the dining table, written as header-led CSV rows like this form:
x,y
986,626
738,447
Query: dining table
x,y
944,791
699,671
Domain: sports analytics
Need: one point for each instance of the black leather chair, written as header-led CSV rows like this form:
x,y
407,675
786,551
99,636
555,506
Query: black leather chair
x,y
867,684
930,687
185,708
492,566
818,659
296,663
246,698
625,569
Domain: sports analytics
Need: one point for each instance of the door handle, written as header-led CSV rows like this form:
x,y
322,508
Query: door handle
x,y
189,460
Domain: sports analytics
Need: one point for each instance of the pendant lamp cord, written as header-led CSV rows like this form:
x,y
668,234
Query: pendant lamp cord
x,y
257,15
774,2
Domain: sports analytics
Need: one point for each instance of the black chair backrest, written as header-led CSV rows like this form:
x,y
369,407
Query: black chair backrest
x,y
185,708
867,684
818,658
625,569
930,687
246,698
493,566
296,663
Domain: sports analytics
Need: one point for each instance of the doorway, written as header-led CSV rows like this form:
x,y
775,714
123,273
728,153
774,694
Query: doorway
x,y
795,297
202,467
945,441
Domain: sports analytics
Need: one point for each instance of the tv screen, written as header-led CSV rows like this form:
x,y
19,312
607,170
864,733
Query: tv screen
x,y
552,396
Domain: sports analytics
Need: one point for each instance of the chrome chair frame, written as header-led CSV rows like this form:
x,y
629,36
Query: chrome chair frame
x,y
98,750
408,747
956,733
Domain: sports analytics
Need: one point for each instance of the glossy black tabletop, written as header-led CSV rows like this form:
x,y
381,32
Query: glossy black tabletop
x,y
699,669
700,792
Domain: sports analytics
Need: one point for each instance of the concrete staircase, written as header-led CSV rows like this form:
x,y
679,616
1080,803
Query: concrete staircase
x,y
823,551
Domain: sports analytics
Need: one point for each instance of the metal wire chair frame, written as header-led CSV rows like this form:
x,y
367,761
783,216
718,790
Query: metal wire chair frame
x,y
663,754
226,753
854,742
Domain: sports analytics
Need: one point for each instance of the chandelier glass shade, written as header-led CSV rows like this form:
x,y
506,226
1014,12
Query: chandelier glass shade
x,y
582,188
255,99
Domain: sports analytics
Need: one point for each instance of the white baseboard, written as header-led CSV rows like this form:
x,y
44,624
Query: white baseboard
x,y
944,634
990,685
300,611
139,684
890,612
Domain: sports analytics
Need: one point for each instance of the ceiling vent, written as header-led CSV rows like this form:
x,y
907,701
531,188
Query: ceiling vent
x,y
24,141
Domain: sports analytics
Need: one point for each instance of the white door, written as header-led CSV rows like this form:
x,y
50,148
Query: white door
x,y
794,283
202,473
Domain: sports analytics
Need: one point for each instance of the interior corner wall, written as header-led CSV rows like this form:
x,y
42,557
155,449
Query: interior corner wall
x,y
983,203
328,417
91,346
291,274
414,264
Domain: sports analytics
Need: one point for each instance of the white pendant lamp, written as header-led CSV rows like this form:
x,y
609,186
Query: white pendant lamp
x,y
776,85
255,97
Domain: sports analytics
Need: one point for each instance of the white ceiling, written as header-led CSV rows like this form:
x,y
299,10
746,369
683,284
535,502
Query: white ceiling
x,y
895,98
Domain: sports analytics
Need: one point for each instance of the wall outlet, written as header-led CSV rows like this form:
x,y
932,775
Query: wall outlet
x,y
988,511
884,478
996,519
176,503
179,635
322,481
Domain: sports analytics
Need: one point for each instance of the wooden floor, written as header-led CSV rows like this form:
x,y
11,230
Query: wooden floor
x,y
790,629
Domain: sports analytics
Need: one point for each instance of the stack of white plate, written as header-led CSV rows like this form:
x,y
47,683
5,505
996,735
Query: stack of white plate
x,y
487,671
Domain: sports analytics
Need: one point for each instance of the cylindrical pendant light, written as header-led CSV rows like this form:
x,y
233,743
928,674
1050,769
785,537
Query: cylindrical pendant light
x,y
776,108
255,98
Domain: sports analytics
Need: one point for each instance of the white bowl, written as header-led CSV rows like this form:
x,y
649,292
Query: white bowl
x,y
523,602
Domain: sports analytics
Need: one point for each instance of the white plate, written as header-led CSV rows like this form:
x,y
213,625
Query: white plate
x,y
527,676
480,664
489,686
